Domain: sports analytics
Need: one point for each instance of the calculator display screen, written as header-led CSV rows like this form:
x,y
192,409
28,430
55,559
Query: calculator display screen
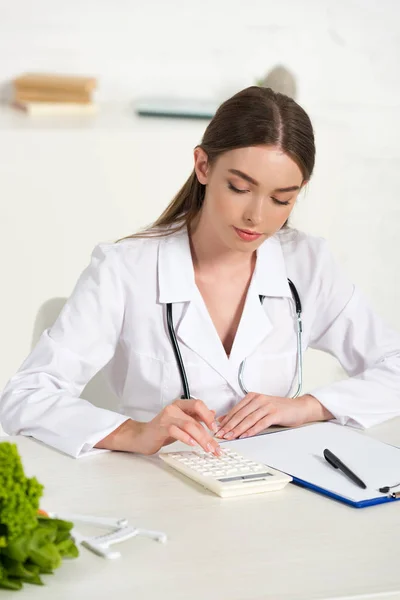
x,y
243,478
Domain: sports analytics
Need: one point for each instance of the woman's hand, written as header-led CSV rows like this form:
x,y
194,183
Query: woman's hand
x,y
256,412
182,420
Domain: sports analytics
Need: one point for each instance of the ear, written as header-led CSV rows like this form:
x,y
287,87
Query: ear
x,y
201,165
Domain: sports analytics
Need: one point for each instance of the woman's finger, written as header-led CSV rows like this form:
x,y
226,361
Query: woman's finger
x,y
199,411
180,435
267,421
230,424
248,422
237,408
199,434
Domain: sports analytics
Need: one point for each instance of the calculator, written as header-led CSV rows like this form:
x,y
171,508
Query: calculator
x,y
230,474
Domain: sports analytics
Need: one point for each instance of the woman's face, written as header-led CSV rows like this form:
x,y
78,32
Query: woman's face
x,y
250,192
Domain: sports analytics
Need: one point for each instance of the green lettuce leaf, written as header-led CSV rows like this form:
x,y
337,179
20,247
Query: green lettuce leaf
x,y
68,549
18,549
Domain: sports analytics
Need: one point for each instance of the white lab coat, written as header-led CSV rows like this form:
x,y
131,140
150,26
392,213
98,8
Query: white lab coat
x,y
115,318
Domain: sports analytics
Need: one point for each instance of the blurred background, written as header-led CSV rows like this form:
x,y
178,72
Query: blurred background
x,y
69,181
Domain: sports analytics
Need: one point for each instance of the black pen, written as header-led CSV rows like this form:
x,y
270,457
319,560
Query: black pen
x,y
335,462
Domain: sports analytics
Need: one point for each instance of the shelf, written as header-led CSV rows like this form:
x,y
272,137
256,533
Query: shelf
x,y
111,117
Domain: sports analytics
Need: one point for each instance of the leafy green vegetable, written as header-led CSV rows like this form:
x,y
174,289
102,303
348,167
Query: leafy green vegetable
x,y
19,496
17,569
30,543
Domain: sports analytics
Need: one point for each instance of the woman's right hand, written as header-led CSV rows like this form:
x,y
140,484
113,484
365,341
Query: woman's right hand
x,y
180,421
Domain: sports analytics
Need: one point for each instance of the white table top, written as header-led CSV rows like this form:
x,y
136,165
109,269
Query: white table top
x,y
292,544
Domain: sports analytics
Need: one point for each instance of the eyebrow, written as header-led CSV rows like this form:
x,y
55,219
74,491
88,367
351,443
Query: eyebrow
x,y
246,177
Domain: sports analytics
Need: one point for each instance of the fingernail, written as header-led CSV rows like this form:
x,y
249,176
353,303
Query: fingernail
x,y
210,447
214,426
228,435
244,435
220,433
218,451
192,442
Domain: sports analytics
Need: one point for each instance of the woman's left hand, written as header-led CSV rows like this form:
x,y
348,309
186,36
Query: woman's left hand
x,y
256,412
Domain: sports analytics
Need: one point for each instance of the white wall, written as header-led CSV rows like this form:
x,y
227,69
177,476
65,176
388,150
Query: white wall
x,y
64,188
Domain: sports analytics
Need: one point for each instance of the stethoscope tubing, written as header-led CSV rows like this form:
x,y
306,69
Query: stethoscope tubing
x,y
181,366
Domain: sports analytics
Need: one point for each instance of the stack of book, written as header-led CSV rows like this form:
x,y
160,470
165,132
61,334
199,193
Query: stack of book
x,y
42,94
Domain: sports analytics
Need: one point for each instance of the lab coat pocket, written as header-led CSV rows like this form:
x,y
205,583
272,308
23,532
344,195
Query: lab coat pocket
x,y
271,374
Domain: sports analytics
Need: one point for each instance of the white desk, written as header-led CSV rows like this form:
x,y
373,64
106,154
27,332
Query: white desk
x,y
292,544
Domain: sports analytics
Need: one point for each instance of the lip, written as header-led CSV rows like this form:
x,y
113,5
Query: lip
x,y
246,235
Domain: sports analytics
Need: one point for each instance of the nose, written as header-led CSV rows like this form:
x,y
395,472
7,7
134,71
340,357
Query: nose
x,y
253,212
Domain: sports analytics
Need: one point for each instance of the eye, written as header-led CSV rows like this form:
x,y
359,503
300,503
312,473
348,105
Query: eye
x,y
281,202
235,189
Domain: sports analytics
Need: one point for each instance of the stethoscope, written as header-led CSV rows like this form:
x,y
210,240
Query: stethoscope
x,y
182,372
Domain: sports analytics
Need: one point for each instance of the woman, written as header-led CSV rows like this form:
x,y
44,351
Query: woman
x,y
218,257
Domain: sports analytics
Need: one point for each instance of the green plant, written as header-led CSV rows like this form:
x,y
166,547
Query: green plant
x,y
31,543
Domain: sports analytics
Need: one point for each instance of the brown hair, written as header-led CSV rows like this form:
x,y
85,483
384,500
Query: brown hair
x,y
252,117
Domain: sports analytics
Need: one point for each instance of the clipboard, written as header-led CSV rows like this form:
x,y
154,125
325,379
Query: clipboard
x,y
299,453
354,504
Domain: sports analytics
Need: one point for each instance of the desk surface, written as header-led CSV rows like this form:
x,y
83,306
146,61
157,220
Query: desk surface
x,y
292,544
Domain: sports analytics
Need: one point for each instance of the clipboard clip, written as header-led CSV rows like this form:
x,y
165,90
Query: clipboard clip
x,y
386,490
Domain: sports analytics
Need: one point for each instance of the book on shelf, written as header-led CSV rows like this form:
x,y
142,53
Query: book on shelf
x,y
56,108
51,96
48,81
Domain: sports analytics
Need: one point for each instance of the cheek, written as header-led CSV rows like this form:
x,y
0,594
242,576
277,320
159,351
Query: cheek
x,y
287,213
223,206
278,215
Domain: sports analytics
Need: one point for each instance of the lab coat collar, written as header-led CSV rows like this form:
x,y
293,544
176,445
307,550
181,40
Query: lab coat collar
x,y
176,281
177,284
270,278
196,329
176,274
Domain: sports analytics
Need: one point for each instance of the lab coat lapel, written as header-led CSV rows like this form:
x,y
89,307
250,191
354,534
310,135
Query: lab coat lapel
x,y
195,328
197,331
253,328
269,280
192,323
